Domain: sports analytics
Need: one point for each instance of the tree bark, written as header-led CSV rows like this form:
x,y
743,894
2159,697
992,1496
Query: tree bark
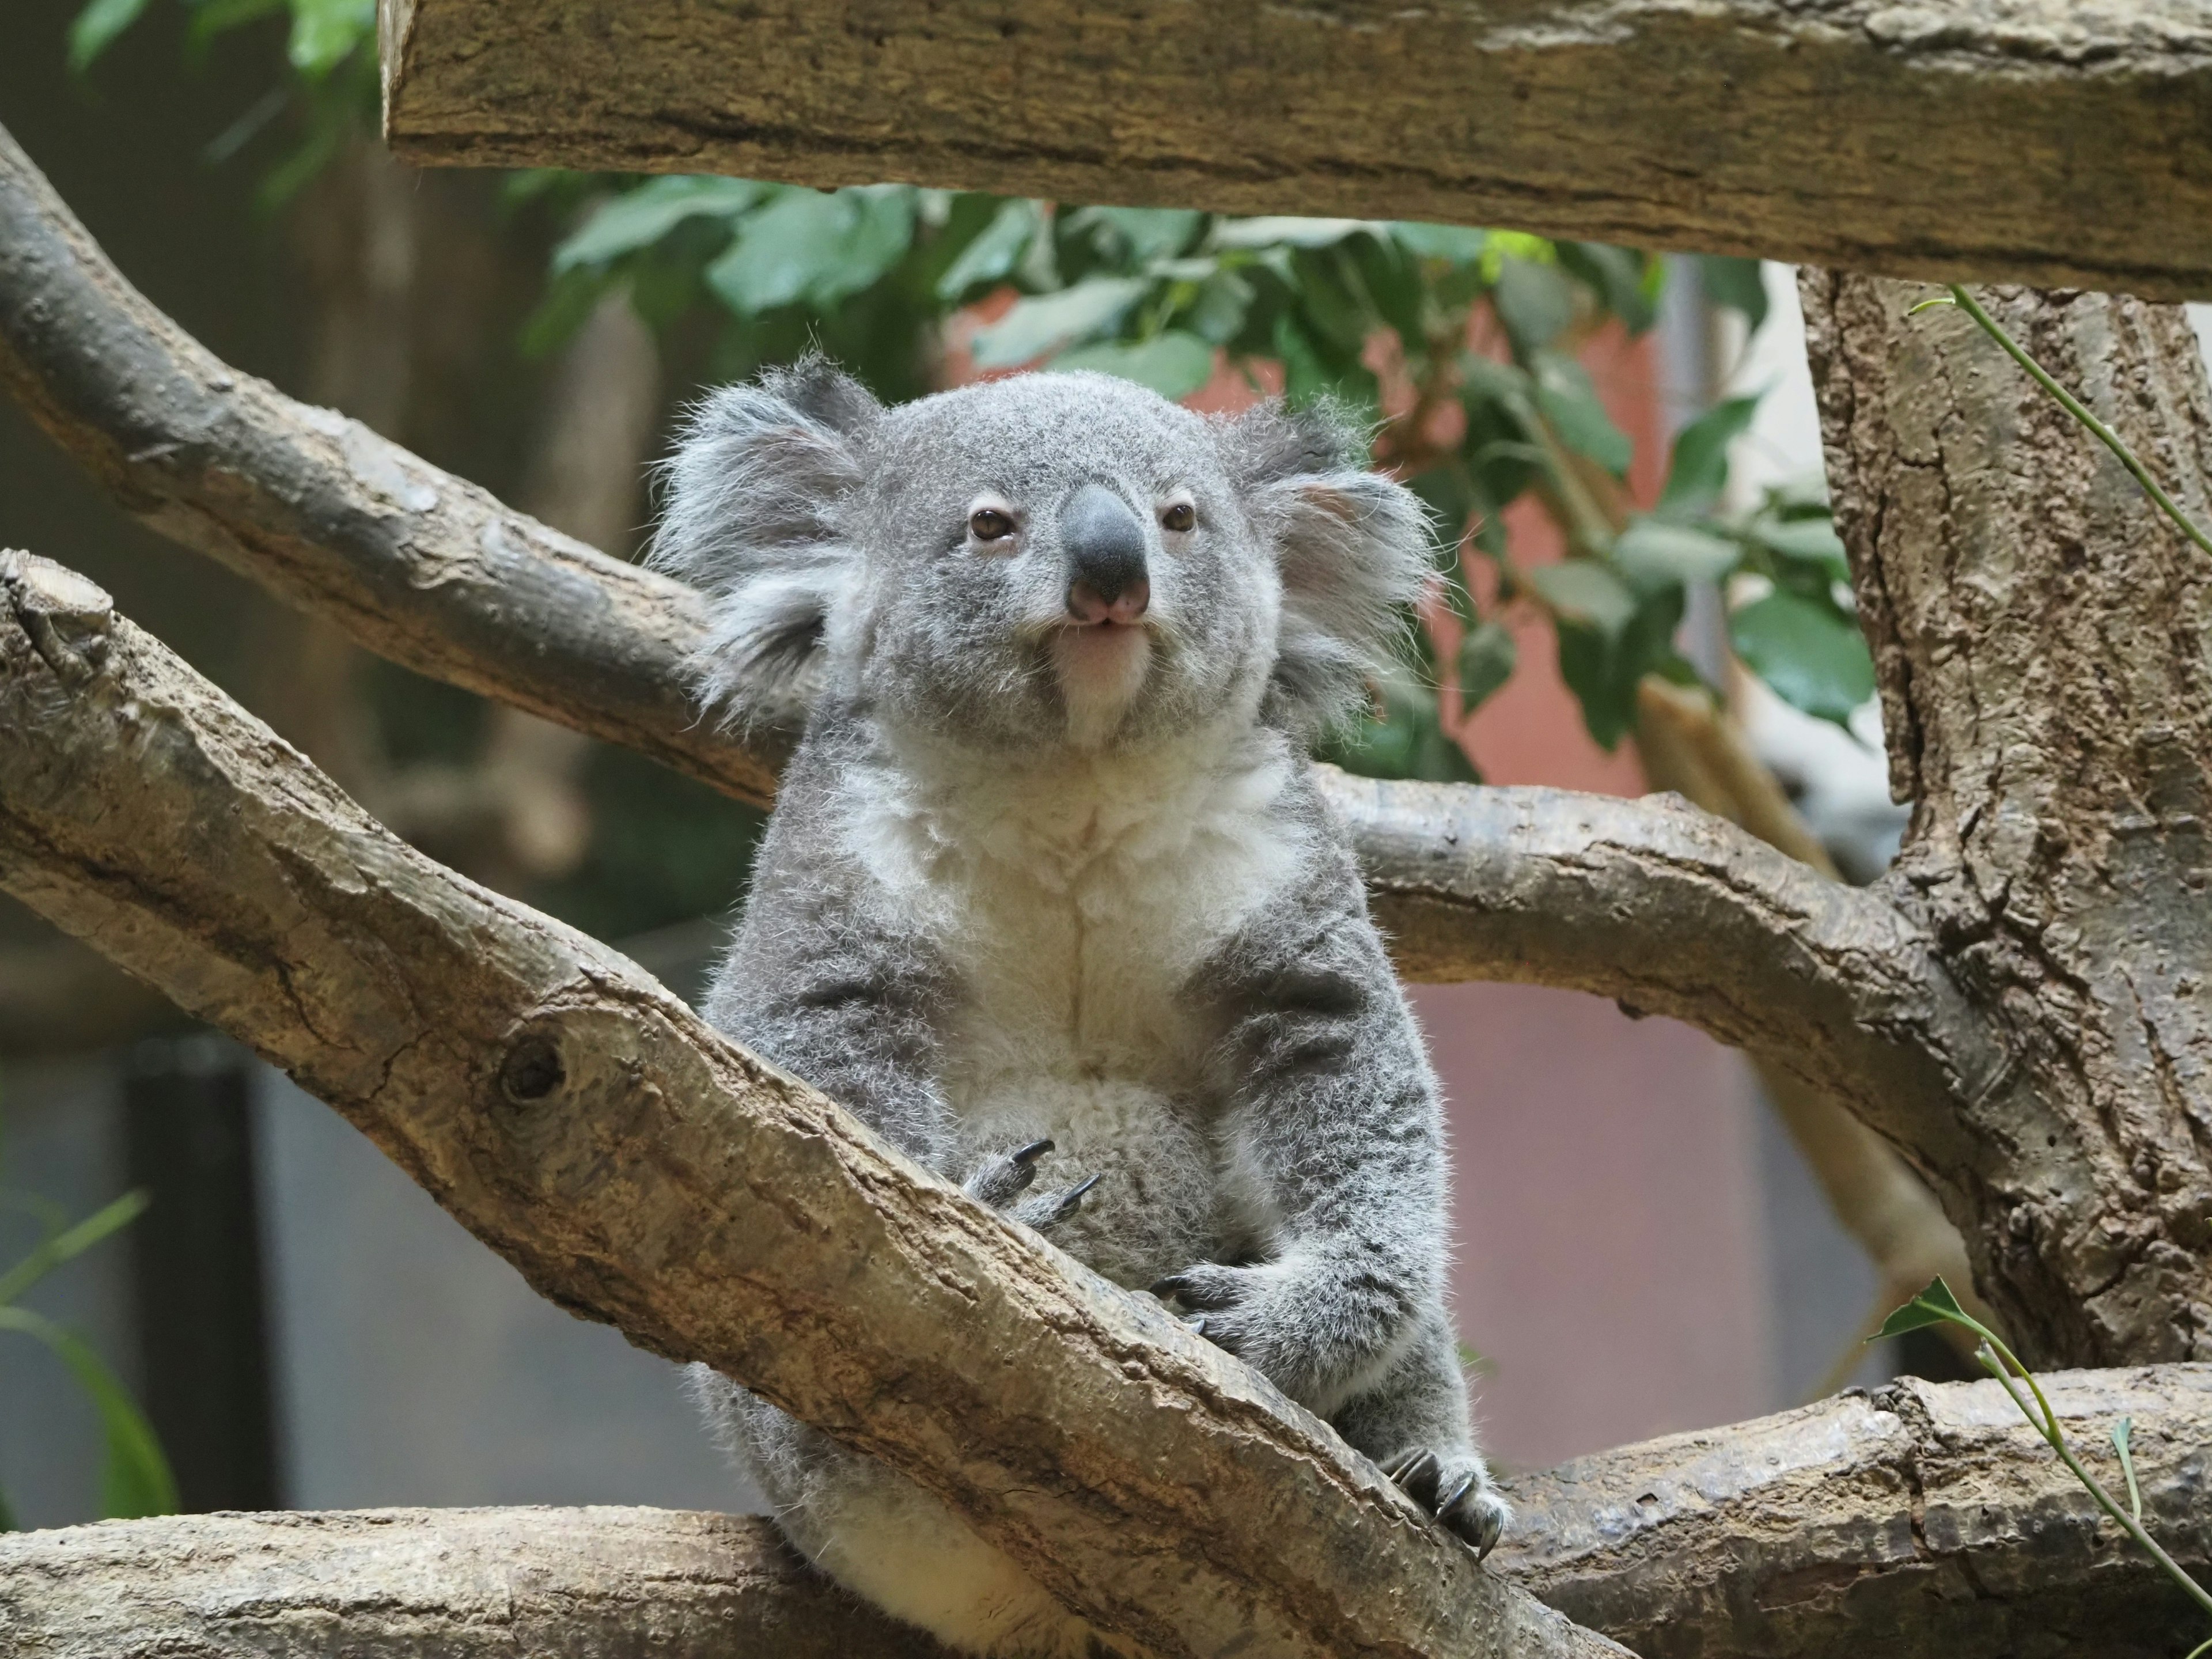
x,y
637,1167
1924,1520
2038,630
410,561
2010,140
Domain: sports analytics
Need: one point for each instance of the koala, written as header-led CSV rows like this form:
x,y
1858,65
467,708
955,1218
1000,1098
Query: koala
x,y
1049,897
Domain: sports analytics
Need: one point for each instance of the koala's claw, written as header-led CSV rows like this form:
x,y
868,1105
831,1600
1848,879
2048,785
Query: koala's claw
x,y
1468,1505
1186,1289
1067,1203
1022,1156
1006,1178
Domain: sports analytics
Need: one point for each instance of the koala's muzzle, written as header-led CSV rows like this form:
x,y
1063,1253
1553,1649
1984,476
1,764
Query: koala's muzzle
x,y
1103,542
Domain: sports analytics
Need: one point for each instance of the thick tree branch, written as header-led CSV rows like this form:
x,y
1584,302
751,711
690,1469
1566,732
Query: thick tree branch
x,y
638,1168
1924,1521
412,562
2009,140
224,463
2038,632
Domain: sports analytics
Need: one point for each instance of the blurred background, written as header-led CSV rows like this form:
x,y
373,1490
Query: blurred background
x,y
1637,587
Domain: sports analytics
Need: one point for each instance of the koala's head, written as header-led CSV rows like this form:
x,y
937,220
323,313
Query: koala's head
x,y
1050,559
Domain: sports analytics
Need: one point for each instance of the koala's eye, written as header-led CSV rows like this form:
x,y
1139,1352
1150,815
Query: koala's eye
x,y
988,524
1180,517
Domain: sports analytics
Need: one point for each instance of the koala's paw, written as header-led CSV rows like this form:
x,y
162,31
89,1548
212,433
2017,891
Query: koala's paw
x,y
1302,1326
1233,1309
1453,1486
1004,1183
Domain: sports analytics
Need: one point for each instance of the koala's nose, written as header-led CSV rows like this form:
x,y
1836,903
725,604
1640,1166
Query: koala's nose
x,y
1105,543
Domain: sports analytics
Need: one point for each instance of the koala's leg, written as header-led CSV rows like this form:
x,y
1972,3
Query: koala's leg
x,y
889,1542
1416,1425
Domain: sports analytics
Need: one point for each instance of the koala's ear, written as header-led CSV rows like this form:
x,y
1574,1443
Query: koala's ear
x,y
754,508
1352,546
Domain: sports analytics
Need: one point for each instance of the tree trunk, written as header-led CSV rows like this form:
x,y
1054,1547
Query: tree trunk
x,y
2040,632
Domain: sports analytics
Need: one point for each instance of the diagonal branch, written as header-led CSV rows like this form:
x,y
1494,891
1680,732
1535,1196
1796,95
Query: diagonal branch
x,y
415,564
1926,1519
637,1167
432,573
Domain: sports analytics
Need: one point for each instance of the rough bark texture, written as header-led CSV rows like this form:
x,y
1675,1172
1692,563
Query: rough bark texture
x,y
593,1583
408,561
2040,632
2046,141
1923,1520
638,1168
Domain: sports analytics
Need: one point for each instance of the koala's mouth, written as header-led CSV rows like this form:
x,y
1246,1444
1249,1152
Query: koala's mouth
x,y
1101,667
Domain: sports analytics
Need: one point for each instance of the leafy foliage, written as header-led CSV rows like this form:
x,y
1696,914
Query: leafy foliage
x,y
135,1480
1461,346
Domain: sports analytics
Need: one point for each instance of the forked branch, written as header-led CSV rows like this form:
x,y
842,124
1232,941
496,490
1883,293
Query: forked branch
x,y
638,1168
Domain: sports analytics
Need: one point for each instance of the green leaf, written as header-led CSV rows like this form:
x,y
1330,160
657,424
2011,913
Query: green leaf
x,y
1934,1306
1137,235
1456,245
1486,660
1583,591
1603,672
1736,283
1805,541
1408,741
1652,551
1173,363
992,257
137,1480
643,216
1217,314
1533,302
1569,403
1618,276
1305,377
96,28
1284,233
1700,467
325,32
806,246
1813,659
71,1242
1049,322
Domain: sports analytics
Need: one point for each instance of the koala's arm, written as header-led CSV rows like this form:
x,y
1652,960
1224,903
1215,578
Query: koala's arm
x,y
822,979
1335,1143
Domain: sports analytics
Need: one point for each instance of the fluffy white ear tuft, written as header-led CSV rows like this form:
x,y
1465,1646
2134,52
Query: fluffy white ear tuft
x,y
1352,545
753,516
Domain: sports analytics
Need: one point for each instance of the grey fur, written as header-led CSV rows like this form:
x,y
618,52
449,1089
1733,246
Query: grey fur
x,y
1027,882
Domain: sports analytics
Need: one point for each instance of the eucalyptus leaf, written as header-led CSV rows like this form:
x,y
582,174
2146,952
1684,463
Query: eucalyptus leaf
x,y
1533,302
1222,302
1137,235
1808,541
71,1242
643,216
1486,660
1283,232
1569,403
1172,363
96,28
818,248
992,257
1583,591
1618,276
1653,550
1738,284
1049,322
1456,245
1700,466
1408,741
1815,660
324,32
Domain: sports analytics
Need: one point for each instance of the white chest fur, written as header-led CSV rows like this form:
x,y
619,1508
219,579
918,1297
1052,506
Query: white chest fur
x,y
1073,901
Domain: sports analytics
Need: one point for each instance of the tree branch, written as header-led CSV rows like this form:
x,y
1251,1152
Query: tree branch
x,y
639,1167
2012,141
1924,1521
414,564
465,590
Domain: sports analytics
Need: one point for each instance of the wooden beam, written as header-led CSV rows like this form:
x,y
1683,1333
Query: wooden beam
x,y
2059,142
